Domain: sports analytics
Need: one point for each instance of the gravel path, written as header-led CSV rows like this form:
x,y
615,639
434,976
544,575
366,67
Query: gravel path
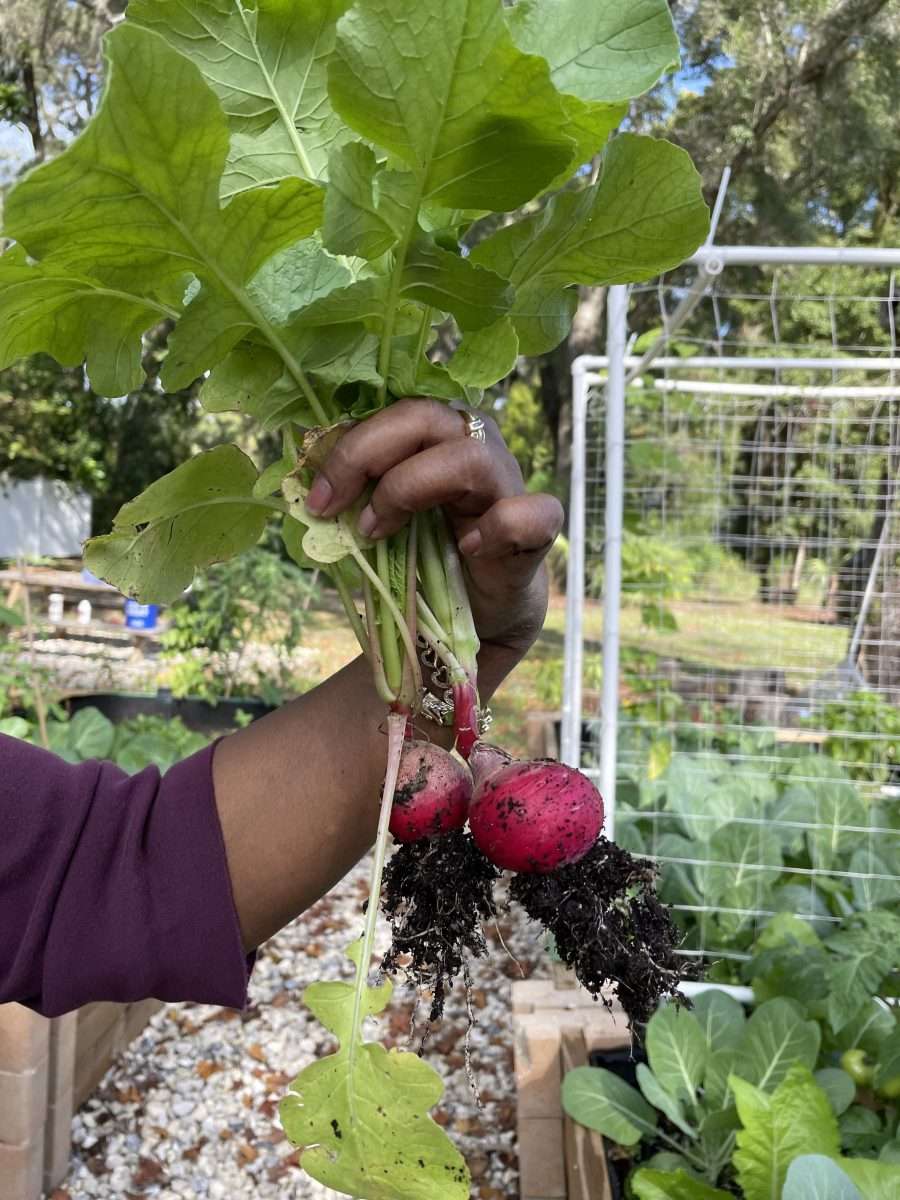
x,y
190,1110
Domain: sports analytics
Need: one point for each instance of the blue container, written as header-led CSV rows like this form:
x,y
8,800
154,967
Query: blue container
x,y
141,616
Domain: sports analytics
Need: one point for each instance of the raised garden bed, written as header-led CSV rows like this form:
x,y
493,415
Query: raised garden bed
x,y
198,715
556,1028
47,1069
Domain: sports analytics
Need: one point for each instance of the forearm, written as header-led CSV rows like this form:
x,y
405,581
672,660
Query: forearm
x,y
298,792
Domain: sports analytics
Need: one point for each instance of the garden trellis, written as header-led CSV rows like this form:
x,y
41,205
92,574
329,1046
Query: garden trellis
x,y
735,535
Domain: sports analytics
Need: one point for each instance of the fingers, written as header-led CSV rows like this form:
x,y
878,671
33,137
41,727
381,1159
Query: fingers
x,y
525,526
371,449
462,476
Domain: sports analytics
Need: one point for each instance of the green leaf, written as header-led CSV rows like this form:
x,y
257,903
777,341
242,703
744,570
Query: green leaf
x,y
795,1119
804,901
798,970
600,56
751,862
815,1177
676,1051
875,1180
887,1066
775,1039
678,881
644,216
52,310
412,376
787,929
449,94
721,1018
855,973
486,356
669,1161
792,811
273,476
862,1130
868,1028
719,1066
648,1184
202,512
91,735
362,1112
325,541
15,727
127,209
669,1105
839,809
838,1087
354,220
9,617
871,893
601,1100
295,277
267,64
602,52
476,297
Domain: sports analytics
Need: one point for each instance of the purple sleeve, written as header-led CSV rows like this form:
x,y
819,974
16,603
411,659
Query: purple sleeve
x,y
113,887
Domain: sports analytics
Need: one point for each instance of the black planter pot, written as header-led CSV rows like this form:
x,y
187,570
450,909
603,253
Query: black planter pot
x,y
623,1063
198,715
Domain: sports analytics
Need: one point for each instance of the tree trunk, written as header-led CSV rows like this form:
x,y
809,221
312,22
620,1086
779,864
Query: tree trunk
x,y
556,376
32,116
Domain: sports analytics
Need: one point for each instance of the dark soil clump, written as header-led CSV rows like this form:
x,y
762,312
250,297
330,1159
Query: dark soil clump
x,y
436,894
609,926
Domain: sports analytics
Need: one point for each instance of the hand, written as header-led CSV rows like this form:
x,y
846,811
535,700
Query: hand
x,y
421,455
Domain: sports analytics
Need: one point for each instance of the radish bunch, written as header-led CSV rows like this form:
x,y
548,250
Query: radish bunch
x,y
542,822
524,816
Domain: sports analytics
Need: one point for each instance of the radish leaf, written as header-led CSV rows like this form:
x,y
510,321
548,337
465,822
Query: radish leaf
x,y
642,218
45,308
362,1113
479,122
267,65
202,512
486,356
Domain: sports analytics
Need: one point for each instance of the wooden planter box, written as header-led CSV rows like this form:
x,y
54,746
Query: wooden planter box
x,y
556,1026
48,1068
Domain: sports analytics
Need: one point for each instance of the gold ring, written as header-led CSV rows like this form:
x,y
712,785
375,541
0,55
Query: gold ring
x,y
475,427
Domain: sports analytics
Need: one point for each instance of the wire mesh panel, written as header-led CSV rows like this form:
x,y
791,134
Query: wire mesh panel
x,y
758,752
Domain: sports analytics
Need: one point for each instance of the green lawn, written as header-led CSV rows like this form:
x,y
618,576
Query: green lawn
x,y
724,635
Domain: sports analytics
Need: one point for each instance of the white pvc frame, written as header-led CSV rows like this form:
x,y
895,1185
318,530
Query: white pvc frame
x,y
615,370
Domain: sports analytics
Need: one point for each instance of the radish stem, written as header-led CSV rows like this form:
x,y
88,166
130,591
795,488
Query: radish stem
x,y
366,567
350,609
381,683
388,630
396,732
437,640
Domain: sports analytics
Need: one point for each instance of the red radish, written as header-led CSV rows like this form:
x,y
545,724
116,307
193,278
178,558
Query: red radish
x,y
433,793
532,817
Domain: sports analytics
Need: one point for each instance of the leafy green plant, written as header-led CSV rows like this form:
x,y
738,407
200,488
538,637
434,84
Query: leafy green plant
x,y
25,685
730,1104
846,982
290,186
258,598
653,571
864,736
134,744
791,836
686,1106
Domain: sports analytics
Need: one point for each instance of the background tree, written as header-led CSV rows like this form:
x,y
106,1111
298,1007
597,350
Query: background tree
x,y
50,66
799,98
